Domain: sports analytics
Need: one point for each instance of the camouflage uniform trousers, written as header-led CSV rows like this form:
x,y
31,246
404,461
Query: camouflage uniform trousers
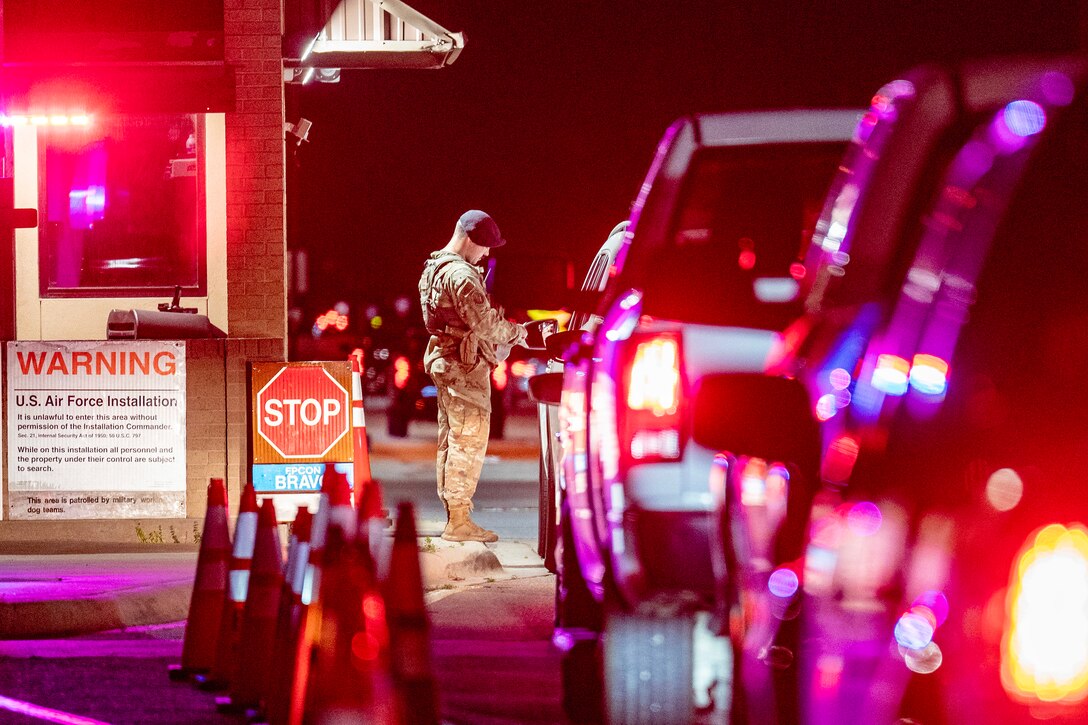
x,y
464,424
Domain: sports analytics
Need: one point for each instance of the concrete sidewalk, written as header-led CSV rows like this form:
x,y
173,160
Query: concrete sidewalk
x,y
62,595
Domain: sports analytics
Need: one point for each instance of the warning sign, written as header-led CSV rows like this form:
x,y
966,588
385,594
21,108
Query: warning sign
x,y
96,429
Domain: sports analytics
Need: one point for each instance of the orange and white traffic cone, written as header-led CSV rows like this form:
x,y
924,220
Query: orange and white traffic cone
x,y
334,510
368,497
372,525
287,619
350,681
409,626
230,630
250,687
209,589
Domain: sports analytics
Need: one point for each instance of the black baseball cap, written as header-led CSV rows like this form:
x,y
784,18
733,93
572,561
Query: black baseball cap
x,y
481,229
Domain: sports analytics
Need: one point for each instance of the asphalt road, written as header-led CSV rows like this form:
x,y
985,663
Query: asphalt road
x,y
491,640
492,660
506,499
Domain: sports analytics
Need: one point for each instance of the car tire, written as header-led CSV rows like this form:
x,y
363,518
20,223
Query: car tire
x,y
546,517
648,669
578,614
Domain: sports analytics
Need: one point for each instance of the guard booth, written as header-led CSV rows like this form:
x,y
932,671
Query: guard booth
x,y
148,139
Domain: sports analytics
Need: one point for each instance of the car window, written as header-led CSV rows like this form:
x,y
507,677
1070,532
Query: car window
x,y
846,267
1028,331
597,271
743,217
594,280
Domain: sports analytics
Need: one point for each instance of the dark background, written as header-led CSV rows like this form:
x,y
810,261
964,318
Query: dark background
x,y
549,118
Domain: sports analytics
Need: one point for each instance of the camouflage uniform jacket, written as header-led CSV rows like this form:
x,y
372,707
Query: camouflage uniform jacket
x,y
464,326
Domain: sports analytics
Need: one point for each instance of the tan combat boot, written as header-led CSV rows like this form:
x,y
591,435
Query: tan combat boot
x,y
461,527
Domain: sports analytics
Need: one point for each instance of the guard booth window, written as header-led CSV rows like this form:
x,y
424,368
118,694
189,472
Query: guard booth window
x,y
122,207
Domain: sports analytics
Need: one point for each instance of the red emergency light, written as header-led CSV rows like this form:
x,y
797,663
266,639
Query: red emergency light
x,y
41,119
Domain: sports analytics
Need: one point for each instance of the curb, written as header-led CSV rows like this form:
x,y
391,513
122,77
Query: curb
x,y
444,565
441,565
114,610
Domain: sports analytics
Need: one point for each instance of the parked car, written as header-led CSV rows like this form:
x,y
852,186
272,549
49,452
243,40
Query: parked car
x,y
704,284
945,575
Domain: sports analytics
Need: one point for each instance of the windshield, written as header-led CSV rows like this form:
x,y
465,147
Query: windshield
x,y
732,251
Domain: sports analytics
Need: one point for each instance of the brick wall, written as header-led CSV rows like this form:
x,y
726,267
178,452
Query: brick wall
x,y
218,413
256,206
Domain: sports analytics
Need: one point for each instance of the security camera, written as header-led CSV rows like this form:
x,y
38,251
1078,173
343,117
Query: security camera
x,y
299,130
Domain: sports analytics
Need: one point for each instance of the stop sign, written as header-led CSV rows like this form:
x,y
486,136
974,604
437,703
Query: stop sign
x,y
303,411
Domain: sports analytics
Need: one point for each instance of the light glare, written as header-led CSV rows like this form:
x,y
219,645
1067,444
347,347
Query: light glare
x,y
891,374
864,518
783,583
1044,652
840,379
827,406
1004,489
1025,118
925,660
929,374
913,630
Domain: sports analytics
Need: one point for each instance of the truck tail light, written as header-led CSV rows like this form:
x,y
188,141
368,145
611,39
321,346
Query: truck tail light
x,y
401,371
1044,647
653,395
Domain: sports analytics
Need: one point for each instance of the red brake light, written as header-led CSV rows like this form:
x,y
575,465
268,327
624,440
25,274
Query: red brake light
x,y
1044,650
653,396
499,375
401,371
654,378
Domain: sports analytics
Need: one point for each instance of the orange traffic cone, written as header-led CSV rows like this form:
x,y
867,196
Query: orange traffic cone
x,y
230,630
373,522
250,686
334,507
209,589
409,627
350,681
287,619
367,490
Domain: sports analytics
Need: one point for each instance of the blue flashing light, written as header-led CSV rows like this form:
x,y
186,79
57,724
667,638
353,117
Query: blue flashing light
x,y
783,583
1024,118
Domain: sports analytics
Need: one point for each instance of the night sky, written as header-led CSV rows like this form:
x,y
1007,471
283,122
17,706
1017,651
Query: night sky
x,y
549,118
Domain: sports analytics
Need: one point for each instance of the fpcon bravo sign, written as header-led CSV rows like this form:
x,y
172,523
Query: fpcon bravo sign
x,y
301,412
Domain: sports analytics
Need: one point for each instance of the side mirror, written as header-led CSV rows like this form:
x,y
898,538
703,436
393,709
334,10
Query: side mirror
x,y
559,343
539,332
546,388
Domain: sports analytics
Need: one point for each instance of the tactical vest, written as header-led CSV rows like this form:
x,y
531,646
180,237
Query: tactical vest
x,y
436,318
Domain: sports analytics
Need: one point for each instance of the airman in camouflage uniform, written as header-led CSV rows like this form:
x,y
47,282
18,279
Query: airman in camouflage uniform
x,y
468,339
